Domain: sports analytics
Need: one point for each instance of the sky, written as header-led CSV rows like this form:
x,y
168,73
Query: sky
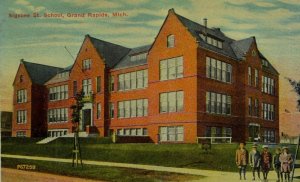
x,y
275,24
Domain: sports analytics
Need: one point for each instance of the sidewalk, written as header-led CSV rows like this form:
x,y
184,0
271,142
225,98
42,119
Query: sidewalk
x,y
212,176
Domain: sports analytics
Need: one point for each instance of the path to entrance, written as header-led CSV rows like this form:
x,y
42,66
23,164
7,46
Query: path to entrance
x,y
212,176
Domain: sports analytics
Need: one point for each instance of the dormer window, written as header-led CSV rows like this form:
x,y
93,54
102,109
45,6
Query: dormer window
x,y
212,41
63,74
265,63
253,53
170,41
86,64
21,78
138,57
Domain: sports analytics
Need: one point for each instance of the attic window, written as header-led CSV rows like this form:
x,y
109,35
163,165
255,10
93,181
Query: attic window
x,y
138,57
212,41
63,74
170,41
86,64
253,53
265,63
21,78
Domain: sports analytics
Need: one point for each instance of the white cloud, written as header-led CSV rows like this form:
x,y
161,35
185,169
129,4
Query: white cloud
x,y
93,4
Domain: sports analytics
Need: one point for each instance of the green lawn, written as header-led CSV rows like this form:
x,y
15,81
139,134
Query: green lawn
x,y
100,173
221,157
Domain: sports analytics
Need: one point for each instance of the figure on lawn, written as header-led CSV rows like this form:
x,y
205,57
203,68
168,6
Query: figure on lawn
x,y
277,164
241,159
255,161
286,161
266,161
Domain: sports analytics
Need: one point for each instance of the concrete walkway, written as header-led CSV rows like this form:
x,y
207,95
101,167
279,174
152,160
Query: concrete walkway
x,y
212,176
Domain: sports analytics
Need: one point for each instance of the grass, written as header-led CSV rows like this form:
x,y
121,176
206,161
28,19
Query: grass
x,y
100,173
221,157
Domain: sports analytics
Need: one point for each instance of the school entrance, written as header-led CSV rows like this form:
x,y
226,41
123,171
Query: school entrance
x,y
86,117
254,132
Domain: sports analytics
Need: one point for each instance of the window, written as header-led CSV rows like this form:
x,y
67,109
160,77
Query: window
x,y
98,110
212,41
170,41
171,133
74,88
58,93
218,103
21,116
256,108
98,84
265,63
57,115
268,85
133,108
22,96
111,83
21,134
250,106
171,102
269,136
268,112
133,80
57,132
63,74
132,132
111,110
87,86
138,57
171,68
249,76
21,78
256,78
253,53
86,64
218,70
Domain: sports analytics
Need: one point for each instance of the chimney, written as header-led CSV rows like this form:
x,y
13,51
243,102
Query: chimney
x,y
205,22
205,28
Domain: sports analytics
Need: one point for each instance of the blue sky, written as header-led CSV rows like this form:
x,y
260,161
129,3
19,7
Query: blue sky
x,y
275,24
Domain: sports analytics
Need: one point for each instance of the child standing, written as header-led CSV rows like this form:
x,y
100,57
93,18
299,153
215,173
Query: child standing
x,y
266,161
286,161
241,160
277,164
254,161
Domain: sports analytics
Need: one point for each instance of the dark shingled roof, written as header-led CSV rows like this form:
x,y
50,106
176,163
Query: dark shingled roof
x,y
112,53
126,61
241,47
39,73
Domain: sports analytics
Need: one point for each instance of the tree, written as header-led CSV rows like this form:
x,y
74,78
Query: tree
x,y
75,120
296,87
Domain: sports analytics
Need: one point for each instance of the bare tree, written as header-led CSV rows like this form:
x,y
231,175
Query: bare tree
x,y
296,87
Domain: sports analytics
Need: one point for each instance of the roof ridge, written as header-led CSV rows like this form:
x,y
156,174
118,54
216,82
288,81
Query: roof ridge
x,y
23,61
107,42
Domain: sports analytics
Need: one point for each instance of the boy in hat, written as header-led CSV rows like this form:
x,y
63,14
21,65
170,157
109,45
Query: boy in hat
x,y
266,161
241,159
277,164
286,160
254,161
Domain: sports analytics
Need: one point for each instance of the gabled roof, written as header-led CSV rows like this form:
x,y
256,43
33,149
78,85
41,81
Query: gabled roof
x,y
39,73
126,61
241,47
111,53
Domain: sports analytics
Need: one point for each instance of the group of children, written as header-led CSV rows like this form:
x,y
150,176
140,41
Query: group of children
x,y
264,161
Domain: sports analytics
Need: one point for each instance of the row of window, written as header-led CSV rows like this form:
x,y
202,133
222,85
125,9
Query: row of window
x,y
132,132
133,80
58,93
218,132
171,68
22,96
268,85
133,108
57,133
21,116
171,134
218,70
21,134
268,112
138,57
212,41
58,115
218,103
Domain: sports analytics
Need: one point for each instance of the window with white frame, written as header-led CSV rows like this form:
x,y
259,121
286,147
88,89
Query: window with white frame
x,y
21,134
256,78
171,102
111,110
268,85
218,70
86,64
133,108
57,132
132,132
269,136
87,86
98,110
21,116
111,83
249,76
133,80
22,96
256,108
212,41
58,93
171,41
171,68
218,103
268,111
138,57
171,133
250,106
57,115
